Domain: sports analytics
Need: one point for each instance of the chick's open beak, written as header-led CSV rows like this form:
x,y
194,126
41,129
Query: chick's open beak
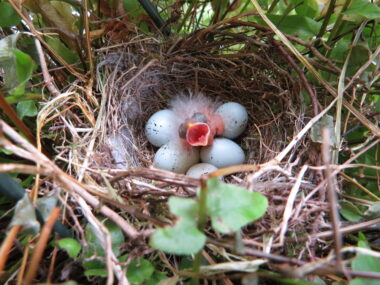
x,y
198,134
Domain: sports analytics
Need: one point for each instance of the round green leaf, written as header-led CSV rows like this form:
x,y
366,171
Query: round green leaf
x,y
231,207
9,17
94,244
363,262
71,245
187,209
139,271
26,109
184,238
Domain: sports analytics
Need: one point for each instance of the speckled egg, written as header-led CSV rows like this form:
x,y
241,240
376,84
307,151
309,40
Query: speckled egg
x,y
160,127
222,153
174,157
235,119
198,169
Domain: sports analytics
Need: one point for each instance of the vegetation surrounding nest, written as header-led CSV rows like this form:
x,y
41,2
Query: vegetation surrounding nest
x,y
311,176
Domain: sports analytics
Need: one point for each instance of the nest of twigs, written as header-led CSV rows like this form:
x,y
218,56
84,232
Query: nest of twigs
x,y
143,77
140,77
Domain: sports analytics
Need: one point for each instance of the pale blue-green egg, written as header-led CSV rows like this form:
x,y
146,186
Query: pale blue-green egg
x,y
174,157
235,118
160,127
197,170
222,153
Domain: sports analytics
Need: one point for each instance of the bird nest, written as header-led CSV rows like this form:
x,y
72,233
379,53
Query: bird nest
x,y
143,77
140,77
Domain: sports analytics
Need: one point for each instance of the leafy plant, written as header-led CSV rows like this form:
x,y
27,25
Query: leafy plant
x,y
227,216
363,262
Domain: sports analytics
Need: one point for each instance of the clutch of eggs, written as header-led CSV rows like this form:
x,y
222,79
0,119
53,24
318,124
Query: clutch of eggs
x,y
162,131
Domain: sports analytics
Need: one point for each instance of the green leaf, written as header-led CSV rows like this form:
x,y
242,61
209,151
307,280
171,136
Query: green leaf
x,y
373,212
349,211
184,208
7,60
9,17
26,109
25,215
7,152
139,271
184,237
180,239
71,245
117,236
24,65
94,264
359,55
67,54
45,205
308,8
95,267
232,207
96,272
363,262
295,24
363,8
186,262
296,2
161,278
94,245
339,53
24,69
133,8
327,122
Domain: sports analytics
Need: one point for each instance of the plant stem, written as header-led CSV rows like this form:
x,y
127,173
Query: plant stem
x,y
326,20
193,4
202,218
338,26
274,3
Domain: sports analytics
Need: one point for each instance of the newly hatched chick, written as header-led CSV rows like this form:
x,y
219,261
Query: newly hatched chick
x,y
197,122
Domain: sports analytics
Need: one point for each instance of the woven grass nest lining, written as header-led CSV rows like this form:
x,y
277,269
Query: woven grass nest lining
x,y
142,76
